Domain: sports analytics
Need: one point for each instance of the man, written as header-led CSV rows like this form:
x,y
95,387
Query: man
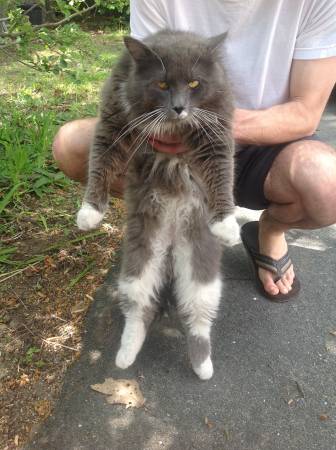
x,y
281,59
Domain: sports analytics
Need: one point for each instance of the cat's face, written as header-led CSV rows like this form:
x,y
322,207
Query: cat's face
x,y
176,74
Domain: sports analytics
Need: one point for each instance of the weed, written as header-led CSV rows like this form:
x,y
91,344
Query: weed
x,y
28,359
34,104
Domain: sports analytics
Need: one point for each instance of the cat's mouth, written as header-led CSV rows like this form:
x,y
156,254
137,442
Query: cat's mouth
x,y
168,144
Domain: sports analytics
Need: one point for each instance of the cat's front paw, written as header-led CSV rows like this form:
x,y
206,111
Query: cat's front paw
x,y
88,217
227,231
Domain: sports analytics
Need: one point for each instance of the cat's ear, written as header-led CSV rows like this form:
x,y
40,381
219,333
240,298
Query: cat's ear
x,y
140,52
215,41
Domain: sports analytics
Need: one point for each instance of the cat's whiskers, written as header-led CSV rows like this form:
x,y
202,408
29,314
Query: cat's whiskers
x,y
202,149
143,136
220,132
157,128
132,125
217,128
214,116
210,138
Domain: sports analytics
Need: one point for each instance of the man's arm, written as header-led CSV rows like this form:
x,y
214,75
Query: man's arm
x,y
311,83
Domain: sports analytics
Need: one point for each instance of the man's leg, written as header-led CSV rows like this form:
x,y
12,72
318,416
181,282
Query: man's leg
x,y
71,150
301,186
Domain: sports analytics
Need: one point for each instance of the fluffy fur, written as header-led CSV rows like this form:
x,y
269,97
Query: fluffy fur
x,y
179,206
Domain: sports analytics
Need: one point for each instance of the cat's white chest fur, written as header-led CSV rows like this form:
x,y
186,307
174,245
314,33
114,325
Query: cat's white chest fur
x,y
177,213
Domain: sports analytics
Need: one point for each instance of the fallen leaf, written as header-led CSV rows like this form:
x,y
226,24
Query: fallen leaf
x,y
333,333
24,379
31,271
79,307
42,408
324,417
124,392
16,440
208,423
331,344
49,262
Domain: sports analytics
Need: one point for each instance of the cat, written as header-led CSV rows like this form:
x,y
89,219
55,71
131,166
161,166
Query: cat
x,y
180,206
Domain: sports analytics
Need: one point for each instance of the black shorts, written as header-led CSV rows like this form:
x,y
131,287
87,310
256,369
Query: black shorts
x,y
252,166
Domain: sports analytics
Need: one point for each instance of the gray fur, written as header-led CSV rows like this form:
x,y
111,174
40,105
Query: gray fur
x,y
198,183
128,94
199,349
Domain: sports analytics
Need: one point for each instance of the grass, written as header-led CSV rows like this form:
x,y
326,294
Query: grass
x,y
49,270
33,104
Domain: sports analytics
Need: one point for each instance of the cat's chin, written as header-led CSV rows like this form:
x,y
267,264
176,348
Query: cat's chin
x,y
88,218
228,231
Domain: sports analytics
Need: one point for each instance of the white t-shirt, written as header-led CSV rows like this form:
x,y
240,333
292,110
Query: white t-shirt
x,y
264,37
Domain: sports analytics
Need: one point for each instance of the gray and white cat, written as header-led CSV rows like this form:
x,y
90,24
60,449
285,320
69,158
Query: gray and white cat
x,y
179,205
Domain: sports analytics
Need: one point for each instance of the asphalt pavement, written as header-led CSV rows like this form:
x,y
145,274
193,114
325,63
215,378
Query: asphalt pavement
x,y
275,366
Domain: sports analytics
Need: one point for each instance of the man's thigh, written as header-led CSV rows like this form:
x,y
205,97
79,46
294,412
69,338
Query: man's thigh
x,y
253,164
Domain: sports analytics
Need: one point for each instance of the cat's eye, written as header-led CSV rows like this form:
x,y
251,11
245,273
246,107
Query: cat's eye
x,y
193,84
163,85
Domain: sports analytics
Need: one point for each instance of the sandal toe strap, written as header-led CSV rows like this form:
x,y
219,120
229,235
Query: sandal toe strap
x,y
276,266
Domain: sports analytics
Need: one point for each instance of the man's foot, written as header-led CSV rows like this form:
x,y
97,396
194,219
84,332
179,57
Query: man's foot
x,y
272,243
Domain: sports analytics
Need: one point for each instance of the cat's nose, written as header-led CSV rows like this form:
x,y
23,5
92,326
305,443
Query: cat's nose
x,y
178,109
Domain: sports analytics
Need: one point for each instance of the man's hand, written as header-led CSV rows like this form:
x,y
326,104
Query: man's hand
x,y
311,83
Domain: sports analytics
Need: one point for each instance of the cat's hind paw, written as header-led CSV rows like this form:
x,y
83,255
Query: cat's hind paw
x,y
88,217
205,370
124,359
227,231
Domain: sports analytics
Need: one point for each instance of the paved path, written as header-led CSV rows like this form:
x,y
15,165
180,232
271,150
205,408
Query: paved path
x,y
275,368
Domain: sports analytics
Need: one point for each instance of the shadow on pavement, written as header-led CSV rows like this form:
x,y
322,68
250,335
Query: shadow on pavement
x,y
274,372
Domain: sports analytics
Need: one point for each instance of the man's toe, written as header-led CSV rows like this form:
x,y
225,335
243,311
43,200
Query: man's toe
x,y
267,281
282,287
286,283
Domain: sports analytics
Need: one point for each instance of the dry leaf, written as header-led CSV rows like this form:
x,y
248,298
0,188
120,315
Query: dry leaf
x,y
333,333
49,262
24,379
331,344
79,307
16,440
324,417
124,392
208,423
42,408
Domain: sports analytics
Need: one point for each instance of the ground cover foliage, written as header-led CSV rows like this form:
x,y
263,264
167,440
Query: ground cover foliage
x,y
48,269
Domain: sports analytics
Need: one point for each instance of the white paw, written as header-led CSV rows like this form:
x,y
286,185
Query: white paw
x,y
227,231
205,370
88,217
124,359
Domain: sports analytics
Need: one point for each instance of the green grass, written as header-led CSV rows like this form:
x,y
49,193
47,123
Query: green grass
x,y
33,104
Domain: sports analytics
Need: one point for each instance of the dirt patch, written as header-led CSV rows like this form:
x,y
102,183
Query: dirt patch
x,y
46,287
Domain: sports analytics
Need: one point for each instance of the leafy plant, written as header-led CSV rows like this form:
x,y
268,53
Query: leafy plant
x,y
28,359
60,33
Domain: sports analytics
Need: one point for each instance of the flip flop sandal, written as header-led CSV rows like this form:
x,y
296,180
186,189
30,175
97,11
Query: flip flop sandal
x,y
250,239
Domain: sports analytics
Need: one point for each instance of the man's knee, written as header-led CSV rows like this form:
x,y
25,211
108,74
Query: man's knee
x,y
59,147
309,158
71,146
308,170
